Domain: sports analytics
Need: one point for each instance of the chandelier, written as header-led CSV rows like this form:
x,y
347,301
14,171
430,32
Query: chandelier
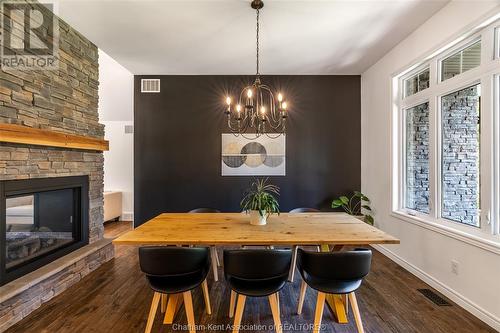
x,y
257,111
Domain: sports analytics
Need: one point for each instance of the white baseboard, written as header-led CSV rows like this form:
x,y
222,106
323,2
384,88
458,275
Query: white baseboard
x,y
127,216
453,295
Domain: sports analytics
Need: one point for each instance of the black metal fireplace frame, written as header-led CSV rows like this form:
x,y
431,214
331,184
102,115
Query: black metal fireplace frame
x,y
9,188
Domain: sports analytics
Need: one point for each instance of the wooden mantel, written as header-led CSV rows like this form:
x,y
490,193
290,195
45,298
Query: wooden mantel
x,y
41,137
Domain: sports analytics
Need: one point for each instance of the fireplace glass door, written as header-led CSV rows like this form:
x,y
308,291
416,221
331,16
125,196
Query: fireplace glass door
x,y
37,224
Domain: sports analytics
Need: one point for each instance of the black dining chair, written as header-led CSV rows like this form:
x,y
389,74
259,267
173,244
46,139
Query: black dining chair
x,y
337,273
295,247
256,273
173,272
213,248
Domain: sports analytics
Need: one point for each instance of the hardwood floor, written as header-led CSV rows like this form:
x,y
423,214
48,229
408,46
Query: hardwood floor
x,y
116,298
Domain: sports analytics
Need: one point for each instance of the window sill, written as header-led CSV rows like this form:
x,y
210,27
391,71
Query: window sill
x,y
487,242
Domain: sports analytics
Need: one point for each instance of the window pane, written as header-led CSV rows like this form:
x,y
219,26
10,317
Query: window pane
x,y
451,66
416,83
471,57
423,80
461,61
410,86
417,158
460,155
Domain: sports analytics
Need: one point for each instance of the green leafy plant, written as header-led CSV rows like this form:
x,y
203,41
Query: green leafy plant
x,y
261,196
354,205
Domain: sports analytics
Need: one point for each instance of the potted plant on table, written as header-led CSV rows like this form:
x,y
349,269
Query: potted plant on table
x,y
354,205
261,201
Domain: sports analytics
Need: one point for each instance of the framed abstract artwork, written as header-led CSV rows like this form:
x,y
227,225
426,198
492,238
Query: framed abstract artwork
x,y
262,156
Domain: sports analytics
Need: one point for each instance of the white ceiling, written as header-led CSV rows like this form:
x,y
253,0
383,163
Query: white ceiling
x,y
218,37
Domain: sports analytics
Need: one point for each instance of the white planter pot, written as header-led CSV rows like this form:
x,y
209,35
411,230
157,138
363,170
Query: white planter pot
x,y
257,219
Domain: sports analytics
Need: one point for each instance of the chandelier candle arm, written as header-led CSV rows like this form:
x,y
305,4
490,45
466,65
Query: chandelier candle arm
x,y
256,105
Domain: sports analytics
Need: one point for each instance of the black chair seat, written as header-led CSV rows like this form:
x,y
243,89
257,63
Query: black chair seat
x,y
334,272
176,284
257,272
332,286
171,270
256,288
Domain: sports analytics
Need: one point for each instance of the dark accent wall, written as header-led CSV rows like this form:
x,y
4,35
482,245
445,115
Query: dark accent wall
x,y
178,143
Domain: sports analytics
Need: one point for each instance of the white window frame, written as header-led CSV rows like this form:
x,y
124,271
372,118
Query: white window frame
x,y
488,75
496,50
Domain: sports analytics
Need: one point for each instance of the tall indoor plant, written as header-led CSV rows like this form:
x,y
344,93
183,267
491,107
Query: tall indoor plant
x,y
355,205
260,200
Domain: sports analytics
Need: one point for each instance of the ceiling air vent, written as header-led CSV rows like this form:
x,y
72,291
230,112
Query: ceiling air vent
x,y
150,85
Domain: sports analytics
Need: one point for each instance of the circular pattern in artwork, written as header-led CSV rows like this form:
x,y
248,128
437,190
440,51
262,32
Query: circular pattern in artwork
x,y
273,157
255,154
233,159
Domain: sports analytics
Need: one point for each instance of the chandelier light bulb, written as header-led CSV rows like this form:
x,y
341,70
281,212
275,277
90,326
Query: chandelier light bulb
x,y
228,100
263,110
284,105
249,93
280,98
238,108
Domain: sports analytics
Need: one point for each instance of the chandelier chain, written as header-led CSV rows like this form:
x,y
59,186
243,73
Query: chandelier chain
x,y
258,28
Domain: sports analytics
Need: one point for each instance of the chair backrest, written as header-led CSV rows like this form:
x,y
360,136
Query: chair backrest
x,y
257,263
342,265
304,210
167,261
204,210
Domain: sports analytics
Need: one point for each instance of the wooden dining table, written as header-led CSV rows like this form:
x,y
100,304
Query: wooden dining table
x,y
331,231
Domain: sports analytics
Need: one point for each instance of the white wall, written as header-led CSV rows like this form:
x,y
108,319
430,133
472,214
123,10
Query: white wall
x,y
116,110
425,252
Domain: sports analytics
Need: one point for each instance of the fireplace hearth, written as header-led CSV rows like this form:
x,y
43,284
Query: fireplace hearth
x,y
41,220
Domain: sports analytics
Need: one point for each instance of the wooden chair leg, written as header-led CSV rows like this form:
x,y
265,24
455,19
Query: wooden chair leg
x,y
213,250
320,303
188,305
355,311
174,303
273,302
294,261
232,303
278,302
302,296
345,299
240,306
164,303
152,312
215,268
206,295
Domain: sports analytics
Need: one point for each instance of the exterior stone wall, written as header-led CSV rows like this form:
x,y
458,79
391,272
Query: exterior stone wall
x,y
65,100
417,158
460,155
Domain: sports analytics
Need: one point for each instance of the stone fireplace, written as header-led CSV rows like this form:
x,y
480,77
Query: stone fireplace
x,y
55,108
